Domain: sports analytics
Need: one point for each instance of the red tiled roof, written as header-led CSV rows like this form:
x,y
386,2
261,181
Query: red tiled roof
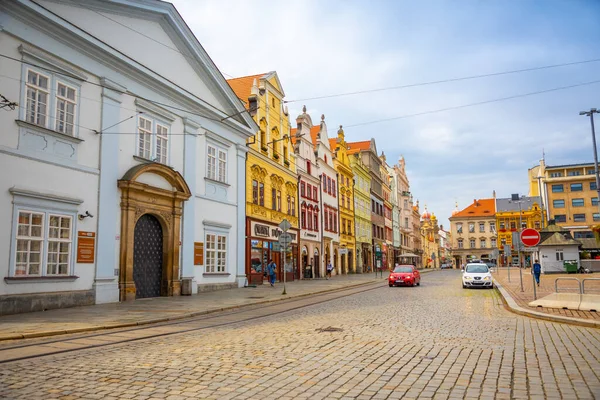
x,y
293,135
243,85
479,208
332,144
355,147
314,131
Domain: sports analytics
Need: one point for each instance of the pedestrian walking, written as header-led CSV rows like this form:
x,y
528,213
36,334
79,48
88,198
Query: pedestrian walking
x,y
271,268
537,270
329,269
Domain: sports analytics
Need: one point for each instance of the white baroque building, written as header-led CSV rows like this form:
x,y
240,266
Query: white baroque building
x,y
126,157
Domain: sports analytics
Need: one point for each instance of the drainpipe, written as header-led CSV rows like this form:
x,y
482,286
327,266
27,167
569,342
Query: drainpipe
x,y
322,213
352,203
301,274
337,184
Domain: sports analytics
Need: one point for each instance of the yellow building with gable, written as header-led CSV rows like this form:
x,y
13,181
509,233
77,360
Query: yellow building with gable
x,y
346,202
271,179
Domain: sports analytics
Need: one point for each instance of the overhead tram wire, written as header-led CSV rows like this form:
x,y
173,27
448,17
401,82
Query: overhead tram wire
x,y
464,78
159,42
132,59
123,93
472,104
393,118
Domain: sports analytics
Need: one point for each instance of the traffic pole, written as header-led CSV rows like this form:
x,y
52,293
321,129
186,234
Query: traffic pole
x,y
283,268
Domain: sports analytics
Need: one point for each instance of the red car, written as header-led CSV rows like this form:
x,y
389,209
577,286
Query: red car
x,y
404,275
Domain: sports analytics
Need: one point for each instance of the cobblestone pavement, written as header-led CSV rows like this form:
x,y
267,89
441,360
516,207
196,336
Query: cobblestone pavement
x,y
547,287
434,341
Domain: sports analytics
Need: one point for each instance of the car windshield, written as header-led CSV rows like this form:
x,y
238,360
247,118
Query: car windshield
x,y
477,268
403,269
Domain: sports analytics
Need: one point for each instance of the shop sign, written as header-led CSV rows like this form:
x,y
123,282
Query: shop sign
x,y
198,253
269,232
86,247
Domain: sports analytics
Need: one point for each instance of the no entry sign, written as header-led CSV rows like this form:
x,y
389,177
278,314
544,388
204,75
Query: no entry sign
x,y
530,237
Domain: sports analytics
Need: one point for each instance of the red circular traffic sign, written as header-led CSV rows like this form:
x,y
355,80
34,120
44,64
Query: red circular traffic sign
x,y
530,237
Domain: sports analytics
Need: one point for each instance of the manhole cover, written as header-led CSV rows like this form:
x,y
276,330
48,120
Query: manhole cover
x,y
329,329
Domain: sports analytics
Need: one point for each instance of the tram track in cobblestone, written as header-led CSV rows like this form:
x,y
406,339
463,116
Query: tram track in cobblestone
x,y
78,342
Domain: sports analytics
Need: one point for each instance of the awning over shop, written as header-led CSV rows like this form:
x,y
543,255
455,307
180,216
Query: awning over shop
x,y
409,255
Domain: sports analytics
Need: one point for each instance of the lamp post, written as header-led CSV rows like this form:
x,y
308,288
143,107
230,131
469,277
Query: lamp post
x,y
517,199
597,173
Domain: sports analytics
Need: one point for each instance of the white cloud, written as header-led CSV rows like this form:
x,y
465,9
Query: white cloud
x,y
326,47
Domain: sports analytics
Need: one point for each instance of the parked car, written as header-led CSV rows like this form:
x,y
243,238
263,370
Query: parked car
x,y
404,275
477,275
446,266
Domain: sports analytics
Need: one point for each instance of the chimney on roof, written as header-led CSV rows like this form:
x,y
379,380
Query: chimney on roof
x,y
494,194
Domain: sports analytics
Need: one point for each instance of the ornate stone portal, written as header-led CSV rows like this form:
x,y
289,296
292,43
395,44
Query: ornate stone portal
x,y
152,197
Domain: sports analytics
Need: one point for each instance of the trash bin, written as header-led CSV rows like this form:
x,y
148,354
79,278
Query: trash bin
x,y
570,266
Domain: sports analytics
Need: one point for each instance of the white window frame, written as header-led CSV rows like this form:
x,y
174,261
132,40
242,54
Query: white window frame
x,y
152,152
215,257
218,172
460,243
65,99
494,242
51,111
38,89
45,242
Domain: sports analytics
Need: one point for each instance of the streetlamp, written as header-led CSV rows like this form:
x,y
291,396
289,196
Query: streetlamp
x,y
597,173
517,199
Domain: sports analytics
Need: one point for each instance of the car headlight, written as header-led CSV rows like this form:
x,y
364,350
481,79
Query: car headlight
x,y
467,278
487,278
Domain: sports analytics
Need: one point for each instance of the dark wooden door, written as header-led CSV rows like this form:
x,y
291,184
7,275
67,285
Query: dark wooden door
x,y
147,257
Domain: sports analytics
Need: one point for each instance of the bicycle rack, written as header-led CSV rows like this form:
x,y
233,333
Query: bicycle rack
x,y
583,283
570,279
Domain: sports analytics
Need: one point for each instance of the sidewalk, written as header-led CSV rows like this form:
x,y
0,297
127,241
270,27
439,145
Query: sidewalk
x,y
511,291
160,309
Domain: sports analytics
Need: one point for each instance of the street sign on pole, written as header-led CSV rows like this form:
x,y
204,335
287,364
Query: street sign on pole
x,y
285,225
530,237
285,239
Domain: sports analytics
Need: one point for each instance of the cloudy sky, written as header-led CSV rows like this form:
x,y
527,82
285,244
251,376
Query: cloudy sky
x,y
326,47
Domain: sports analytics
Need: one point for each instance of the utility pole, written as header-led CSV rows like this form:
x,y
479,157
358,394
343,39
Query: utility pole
x,y
517,199
597,173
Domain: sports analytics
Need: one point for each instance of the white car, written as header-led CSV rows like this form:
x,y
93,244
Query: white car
x,y
477,275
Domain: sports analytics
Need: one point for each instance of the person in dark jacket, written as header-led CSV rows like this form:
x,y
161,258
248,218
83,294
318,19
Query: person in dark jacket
x,y
272,270
537,270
